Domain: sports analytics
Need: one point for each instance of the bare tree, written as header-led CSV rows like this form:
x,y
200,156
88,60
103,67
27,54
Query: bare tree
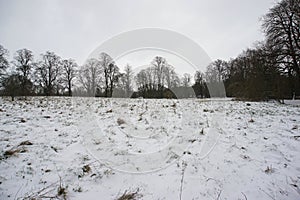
x,y
48,71
186,80
199,85
171,78
220,66
12,85
128,77
111,73
150,81
281,26
159,64
157,80
216,71
3,60
105,61
141,79
199,77
69,73
90,76
23,60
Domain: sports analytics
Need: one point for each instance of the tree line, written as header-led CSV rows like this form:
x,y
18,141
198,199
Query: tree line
x,y
270,70
100,77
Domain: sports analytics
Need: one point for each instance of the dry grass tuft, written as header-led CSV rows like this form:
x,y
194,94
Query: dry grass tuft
x,y
127,195
62,191
269,170
295,127
27,142
14,151
207,110
120,121
86,168
9,153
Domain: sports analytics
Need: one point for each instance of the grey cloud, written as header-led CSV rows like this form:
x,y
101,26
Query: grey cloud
x,y
75,28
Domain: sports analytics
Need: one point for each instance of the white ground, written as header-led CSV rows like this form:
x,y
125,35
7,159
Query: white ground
x,y
193,149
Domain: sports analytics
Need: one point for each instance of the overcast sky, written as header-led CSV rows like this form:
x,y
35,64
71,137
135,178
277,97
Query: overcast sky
x,y
73,28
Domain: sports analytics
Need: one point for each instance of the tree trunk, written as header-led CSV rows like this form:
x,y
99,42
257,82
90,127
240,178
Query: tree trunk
x,y
70,88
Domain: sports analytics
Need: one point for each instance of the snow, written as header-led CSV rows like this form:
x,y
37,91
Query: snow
x,y
220,149
292,102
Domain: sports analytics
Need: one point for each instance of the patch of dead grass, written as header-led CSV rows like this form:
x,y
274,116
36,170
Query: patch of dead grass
x,y
130,195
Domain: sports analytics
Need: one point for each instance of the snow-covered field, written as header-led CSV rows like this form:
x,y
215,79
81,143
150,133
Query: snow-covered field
x,y
94,148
